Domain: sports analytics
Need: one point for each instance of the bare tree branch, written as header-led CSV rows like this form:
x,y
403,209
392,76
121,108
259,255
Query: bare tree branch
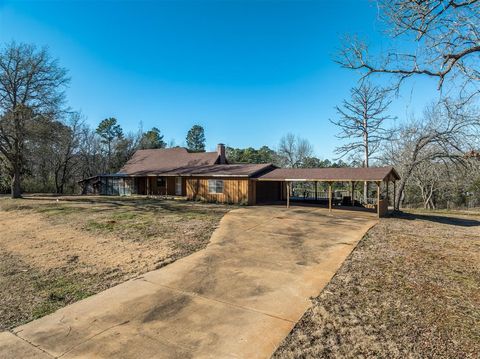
x,y
447,41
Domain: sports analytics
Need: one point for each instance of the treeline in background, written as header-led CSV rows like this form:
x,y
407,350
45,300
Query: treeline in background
x,y
46,147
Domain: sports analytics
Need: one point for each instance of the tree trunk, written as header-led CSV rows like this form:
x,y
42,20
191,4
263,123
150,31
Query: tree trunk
x,y
399,195
403,182
59,185
57,182
16,188
365,144
424,196
109,160
429,201
365,192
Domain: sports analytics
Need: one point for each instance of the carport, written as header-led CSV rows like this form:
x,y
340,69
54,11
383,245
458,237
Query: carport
x,y
277,184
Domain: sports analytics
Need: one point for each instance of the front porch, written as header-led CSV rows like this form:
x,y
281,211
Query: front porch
x,y
123,185
160,185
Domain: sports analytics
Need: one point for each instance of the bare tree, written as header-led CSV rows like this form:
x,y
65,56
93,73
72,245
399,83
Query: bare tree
x,y
124,149
429,178
293,150
90,153
446,34
361,120
444,133
65,157
31,84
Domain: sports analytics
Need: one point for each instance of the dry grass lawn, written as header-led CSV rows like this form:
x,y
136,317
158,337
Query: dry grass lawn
x,y
411,289
54,253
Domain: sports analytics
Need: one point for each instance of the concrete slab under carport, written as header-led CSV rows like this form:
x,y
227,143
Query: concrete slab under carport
x,y
321,204
237,298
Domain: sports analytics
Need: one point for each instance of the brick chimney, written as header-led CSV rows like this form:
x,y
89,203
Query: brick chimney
x,y
221,153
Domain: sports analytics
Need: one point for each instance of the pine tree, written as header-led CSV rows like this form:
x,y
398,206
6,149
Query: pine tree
x,y
196,139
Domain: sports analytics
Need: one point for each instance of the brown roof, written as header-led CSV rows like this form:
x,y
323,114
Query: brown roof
x,y
158,161
180,162
227,170
331,174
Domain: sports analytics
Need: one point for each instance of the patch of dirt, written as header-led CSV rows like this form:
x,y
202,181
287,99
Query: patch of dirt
x,y
410,289
55,253
46,246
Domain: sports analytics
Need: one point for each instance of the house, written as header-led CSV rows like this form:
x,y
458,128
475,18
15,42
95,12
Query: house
x,y
176,171
208,176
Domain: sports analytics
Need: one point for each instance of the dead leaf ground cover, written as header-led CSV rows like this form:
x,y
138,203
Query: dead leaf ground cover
x,y
54,253
411,289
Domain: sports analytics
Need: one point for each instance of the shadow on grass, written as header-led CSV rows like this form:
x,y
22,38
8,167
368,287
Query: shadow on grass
x,y
454,221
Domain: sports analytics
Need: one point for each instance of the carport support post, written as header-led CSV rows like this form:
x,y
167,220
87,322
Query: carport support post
x,y
394,195
378,199
330,197
288,194
387,196
316,190
148,185
352,194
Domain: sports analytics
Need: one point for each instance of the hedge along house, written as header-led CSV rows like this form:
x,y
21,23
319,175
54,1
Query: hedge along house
x,y
210,177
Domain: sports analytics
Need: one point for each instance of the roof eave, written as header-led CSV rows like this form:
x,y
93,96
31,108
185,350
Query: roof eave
x,y
321,179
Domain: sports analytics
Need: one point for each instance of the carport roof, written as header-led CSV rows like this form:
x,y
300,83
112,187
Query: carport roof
x,y
343,174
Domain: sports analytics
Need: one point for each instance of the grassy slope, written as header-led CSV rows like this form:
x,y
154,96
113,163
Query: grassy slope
x,y
410,289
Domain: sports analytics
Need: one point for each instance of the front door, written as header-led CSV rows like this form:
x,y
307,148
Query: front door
x,y
178,186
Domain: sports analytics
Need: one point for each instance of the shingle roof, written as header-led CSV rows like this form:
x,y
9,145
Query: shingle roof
x,y
180,162
228,170
331,174
158,161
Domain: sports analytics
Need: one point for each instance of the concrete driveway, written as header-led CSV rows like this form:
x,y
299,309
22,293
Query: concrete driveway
x,y
237,298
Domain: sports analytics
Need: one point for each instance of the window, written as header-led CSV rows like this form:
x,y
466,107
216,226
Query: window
x,y
178,186
215,186
161,182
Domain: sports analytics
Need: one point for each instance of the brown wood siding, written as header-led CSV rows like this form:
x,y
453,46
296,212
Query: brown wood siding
x,y
235,190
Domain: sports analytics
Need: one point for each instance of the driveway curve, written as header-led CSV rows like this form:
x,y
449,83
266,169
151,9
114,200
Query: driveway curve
x,y
237,298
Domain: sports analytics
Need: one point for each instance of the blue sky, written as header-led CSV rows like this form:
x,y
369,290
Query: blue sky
x,y
248,71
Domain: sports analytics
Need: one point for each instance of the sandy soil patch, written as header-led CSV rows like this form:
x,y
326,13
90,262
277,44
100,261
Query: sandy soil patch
x,y
54,253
